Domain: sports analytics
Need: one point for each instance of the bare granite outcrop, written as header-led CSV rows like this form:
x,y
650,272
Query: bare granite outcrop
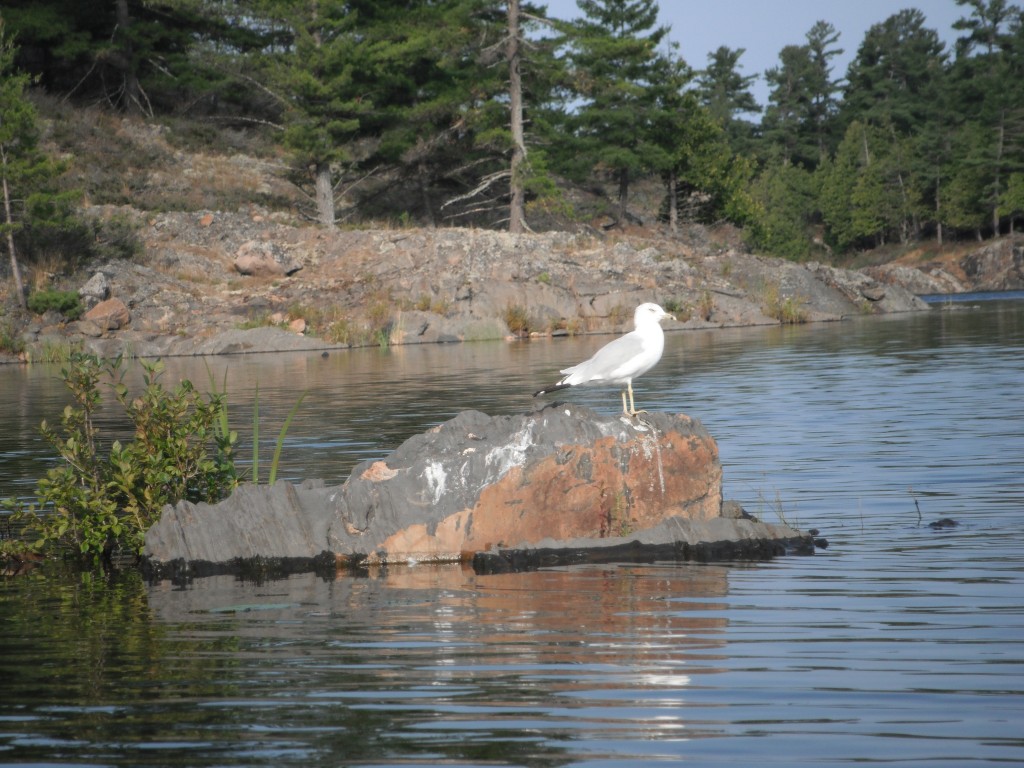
x,y
993,266
560,484
201,288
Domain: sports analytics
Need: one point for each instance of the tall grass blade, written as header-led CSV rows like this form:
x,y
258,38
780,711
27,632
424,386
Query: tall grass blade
x,y
280,438
256,436
223,424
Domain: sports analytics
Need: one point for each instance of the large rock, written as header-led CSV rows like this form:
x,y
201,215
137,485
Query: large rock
x,y
109,315
249,340
264,259
95,290
562,479
865,293
994,266
921,282
478,482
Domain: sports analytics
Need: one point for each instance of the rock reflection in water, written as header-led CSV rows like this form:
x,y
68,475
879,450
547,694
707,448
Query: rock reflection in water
x,y
597,653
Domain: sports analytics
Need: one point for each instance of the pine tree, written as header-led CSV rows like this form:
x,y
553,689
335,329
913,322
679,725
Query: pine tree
x,y
964,204
985,83
783,196
984,26
1011,203
27,175
836,179
822,88
783,120
513,56
896,76
616,62
867,194
726,95
505,84
798,121
138,57
315,77
705,180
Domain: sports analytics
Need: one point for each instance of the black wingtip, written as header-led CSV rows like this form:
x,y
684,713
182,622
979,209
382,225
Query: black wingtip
x,y
552,388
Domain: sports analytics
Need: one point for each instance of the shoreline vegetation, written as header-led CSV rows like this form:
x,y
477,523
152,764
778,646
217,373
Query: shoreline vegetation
x,y
103,496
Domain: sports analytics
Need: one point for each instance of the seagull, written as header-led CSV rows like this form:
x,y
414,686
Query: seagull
x,y
622,360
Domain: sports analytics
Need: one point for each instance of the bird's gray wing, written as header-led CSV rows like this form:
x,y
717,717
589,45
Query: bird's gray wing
x,y
608,361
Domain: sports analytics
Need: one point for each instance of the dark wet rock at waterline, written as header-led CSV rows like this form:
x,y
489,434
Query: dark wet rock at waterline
x,y
561,484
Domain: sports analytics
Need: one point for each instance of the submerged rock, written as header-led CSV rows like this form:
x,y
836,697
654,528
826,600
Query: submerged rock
x,y
512,491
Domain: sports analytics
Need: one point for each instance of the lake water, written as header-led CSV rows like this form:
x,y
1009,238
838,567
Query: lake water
x,y
898,645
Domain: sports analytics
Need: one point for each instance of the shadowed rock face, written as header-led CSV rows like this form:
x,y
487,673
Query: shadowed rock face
x,y
560,478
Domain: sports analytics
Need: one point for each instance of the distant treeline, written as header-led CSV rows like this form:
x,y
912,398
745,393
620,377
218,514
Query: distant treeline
x,y
477,110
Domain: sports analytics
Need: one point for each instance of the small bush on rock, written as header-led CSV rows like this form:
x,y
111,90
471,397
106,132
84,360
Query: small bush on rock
x,y
517,319
66,303
98,504
116,237
787,310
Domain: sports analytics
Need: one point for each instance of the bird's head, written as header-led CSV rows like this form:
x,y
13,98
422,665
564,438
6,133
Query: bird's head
x,y
650,312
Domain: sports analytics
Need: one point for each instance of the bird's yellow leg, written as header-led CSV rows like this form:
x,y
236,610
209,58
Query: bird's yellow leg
x,y
632,408
624,404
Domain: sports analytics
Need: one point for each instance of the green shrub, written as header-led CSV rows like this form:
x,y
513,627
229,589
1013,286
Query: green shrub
x,y
97,504
67,303
63,249
116,237
259,319
10,341
788,310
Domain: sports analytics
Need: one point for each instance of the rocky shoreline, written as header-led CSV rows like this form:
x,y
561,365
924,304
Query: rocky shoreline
x,y
214,283
994,266
251,274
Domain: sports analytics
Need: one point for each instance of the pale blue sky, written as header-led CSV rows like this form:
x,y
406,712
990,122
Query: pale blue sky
x,y
764,27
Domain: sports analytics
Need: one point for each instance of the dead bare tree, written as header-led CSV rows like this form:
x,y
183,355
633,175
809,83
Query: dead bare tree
x,y
517,203
19,286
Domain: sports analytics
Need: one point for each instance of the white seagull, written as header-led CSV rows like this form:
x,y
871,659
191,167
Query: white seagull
x,y
622,360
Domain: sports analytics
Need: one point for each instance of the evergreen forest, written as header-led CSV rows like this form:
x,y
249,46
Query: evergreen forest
x,y
484,113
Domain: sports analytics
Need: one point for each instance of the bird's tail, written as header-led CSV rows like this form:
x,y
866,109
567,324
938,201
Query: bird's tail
x,y
552,388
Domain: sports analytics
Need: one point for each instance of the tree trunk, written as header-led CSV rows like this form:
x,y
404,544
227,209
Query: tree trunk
x,y
19,287
1001,133
134,98
517,212
324,195
673,202
623,195
422,179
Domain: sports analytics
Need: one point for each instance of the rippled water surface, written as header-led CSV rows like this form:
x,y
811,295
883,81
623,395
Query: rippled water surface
x,y
899,645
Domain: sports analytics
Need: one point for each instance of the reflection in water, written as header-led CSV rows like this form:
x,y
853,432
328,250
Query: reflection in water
x,y
395,666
